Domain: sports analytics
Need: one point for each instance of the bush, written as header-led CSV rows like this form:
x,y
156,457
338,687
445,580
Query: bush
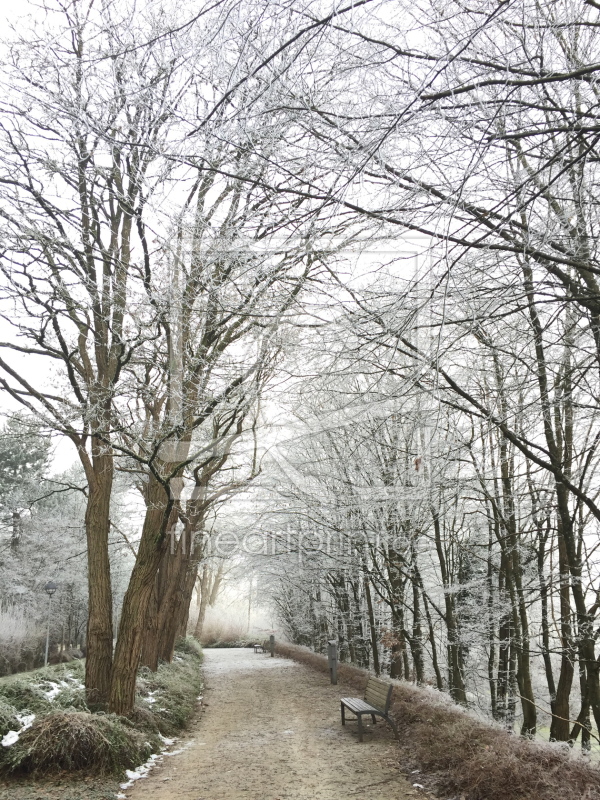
x,y
25,696
46,689
8,717
230,644
74,741
189,646
73,698
171,693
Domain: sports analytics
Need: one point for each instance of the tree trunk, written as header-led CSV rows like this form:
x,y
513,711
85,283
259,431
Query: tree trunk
x,y
149,656
204,582
372,627
176,603
99,640
456,682
416,640
137,598
560,727
210,586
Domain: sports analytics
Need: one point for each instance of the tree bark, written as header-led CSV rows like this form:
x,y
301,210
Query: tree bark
x,y
99,639
153,543
372,628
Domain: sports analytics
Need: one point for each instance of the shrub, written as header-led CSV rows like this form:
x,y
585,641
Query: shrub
x,y
170,694
45,689
72,697
189,646
73,741
8,717
25,696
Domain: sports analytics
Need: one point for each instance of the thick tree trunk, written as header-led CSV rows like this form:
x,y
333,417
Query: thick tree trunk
x,y
99,640
137,599
157,613
149,656
174,604
182,611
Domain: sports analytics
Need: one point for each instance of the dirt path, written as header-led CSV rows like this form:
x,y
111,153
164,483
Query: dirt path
x,y
272,732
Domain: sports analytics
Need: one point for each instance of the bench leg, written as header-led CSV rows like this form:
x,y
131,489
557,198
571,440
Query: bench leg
x,y
373,718
343,714
394,728
360,728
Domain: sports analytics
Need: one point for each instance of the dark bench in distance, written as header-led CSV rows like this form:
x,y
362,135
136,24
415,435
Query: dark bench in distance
x,y
378,696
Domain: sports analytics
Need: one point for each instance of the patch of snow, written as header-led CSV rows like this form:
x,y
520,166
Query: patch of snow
x,y
26,721
56,687
418,786
10,738
53,692
181,749
149,698
142,771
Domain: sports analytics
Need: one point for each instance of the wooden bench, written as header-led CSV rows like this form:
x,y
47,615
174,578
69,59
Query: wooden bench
x,y
262,648
378,696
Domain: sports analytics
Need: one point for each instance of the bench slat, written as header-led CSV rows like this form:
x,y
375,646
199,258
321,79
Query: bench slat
x,y
378,693
376,685
356,704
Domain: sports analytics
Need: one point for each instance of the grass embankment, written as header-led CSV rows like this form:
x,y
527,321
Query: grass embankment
x,y
225,644
47,728
461,754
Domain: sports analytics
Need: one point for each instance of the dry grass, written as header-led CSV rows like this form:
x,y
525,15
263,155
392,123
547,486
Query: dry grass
x,y
465,756
222,633
75,741
167,698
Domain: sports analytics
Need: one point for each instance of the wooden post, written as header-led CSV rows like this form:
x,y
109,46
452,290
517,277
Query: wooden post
x,y
272,645
332,659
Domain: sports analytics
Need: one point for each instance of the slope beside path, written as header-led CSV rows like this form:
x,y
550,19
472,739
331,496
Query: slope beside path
x,y
271,731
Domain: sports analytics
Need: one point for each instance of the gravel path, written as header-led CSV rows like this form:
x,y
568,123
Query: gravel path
x,y
272,731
